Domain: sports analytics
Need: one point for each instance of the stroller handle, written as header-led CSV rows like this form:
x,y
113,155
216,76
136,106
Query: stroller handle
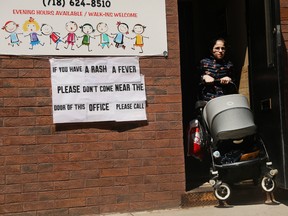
x,y
230,86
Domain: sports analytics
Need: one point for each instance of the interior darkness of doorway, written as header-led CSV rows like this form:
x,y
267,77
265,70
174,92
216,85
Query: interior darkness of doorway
x,y
199,22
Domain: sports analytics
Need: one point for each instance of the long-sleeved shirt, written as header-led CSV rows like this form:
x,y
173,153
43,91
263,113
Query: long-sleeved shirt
x,y
216,69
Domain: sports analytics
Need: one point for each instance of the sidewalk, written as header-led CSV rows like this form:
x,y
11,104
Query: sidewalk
x,y
239,210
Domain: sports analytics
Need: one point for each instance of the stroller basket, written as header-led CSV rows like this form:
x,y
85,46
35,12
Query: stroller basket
x,y
241,163
229,117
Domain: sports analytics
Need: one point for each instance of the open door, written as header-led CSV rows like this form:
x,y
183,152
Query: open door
x,y
267,80
201,21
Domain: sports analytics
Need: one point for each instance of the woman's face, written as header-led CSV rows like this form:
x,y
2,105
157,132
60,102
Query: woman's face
x,y
218,50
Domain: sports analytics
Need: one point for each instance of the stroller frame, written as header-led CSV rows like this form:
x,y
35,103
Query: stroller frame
x,y
259,169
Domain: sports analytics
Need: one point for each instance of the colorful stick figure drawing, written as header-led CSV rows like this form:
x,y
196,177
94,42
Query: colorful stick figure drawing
x,y
138,29
123,29
71,27
102,28
32,27
87,29
11,27
47,30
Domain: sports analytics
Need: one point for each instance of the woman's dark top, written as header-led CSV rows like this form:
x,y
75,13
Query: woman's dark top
x,y
216,69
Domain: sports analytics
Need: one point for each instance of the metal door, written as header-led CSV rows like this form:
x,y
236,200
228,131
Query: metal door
x,y
266,74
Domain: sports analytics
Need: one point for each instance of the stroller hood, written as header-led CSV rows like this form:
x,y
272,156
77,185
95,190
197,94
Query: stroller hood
x,y
229,117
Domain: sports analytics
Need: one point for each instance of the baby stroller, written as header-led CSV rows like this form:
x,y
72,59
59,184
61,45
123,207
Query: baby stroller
x,y
238,153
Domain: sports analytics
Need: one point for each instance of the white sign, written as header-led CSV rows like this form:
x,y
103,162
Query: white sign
x,y
97,89
83,27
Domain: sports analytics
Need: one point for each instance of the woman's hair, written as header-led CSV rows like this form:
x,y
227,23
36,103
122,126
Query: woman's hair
x,y
213,42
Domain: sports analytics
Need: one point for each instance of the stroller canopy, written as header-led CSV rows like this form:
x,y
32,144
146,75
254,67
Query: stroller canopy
x,y
229,117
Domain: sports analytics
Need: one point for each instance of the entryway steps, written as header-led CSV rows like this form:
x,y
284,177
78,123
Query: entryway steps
x,y
242,193
201,196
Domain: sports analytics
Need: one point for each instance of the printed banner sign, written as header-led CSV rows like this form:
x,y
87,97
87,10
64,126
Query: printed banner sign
x,y
83,27
97,89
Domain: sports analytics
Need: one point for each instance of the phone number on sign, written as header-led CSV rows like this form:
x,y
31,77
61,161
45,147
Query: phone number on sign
x,y
77,3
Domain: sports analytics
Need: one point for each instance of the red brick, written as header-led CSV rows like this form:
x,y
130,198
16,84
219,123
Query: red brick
x,y
53,158
43,82
34,92
69,166
53,212
19,121
104,191
85,192
52,139
82,138
53,195
37,149
17,63
85,174
150,170
117,154
20,83
142,153
142,135
35,130
114,207
44,120
21,197
7,73
16,140
8,189
8,131
10,169
7,112
11,208
8,92
23,178
34,73
101,200
20,159
114,172
84,211
20,102
101,182
84,156
38,186
73,202
34,111
54,176
42,63
38,205
69,184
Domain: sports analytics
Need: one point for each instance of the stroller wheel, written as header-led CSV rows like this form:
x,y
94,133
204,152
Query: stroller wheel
x,y
268,184
222,192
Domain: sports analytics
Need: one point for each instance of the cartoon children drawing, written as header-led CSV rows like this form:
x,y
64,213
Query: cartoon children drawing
x,y
11,27
47,30
123,29
138,29
71,27
102,28
87,29
32,27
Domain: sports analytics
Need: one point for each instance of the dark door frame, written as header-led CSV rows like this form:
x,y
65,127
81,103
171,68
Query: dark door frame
x,y
199,20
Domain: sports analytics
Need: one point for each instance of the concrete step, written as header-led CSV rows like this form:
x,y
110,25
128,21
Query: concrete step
x,y
242,193
201,196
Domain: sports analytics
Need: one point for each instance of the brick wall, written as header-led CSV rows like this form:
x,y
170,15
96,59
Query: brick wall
x,y
76,169
284,20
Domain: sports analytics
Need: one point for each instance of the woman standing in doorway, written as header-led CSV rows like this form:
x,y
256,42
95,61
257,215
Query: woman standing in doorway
x,y
216,71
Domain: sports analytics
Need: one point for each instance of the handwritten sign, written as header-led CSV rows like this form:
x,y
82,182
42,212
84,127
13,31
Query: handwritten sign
x,y
83,27
81,94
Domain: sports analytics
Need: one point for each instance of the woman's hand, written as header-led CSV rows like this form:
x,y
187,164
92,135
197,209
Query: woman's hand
x,y
208,79
225,80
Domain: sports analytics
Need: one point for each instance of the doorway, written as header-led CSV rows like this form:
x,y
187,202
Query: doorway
x,y
201,21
